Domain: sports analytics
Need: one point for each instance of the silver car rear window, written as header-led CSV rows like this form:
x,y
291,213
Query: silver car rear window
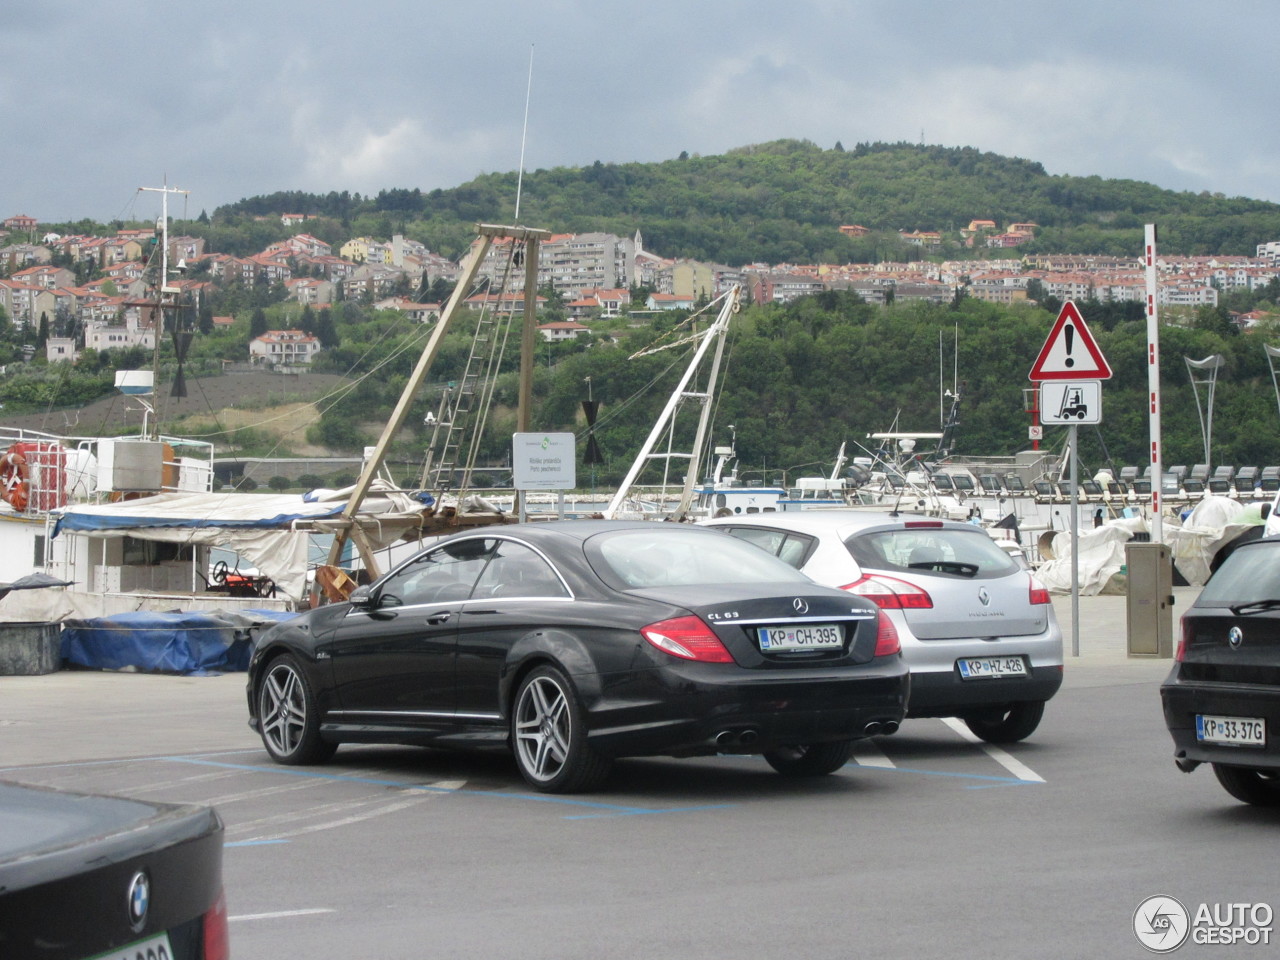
x,y
668,556
932,550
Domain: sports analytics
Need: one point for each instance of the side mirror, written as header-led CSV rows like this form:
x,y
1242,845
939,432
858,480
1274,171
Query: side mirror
x,y
1265,510
361,597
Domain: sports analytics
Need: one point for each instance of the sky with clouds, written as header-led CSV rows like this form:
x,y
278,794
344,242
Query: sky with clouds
x,y
246,97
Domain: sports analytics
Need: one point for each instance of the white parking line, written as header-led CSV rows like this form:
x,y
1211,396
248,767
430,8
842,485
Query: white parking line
x,y
282,914
1010,763
180,781
344,821
868,754
261,792
368,807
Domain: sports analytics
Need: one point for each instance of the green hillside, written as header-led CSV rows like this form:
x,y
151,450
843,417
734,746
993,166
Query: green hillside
x,y
783,202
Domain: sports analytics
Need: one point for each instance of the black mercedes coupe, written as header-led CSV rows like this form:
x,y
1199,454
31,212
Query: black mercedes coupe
x,y
576,642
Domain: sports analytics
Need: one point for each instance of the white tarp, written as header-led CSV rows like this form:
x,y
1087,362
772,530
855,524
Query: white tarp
x,y
1211,525
268,530
1101,557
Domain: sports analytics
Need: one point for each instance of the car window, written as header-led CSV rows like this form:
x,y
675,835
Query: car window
x,y
515,570
669,556
439,575
1250,575
791,548
932,550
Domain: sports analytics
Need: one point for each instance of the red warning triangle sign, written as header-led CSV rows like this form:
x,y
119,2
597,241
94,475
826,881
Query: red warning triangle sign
x,y
1070,352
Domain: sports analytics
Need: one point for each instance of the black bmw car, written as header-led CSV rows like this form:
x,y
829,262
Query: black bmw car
x,y
1222,699
580,641
108,878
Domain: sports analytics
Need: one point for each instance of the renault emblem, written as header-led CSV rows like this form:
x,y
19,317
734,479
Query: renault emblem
x,y
983,597
1235,637
800,605
139,900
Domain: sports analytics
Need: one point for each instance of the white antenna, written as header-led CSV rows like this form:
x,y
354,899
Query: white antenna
x,y
524,134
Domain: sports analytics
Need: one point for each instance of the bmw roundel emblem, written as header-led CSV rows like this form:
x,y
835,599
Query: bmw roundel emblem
x,y
983,597
139,900
800,604
1235,637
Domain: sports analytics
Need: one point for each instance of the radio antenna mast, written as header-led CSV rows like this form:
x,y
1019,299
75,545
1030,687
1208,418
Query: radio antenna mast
x,y
524,134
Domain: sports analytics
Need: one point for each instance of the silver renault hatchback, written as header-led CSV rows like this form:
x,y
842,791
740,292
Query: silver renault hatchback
x,y
978,632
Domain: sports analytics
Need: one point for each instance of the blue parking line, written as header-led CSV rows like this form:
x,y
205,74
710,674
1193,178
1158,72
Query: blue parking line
x,y
607,809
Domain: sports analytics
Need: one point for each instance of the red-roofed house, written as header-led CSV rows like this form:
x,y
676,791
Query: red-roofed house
x,y
558,330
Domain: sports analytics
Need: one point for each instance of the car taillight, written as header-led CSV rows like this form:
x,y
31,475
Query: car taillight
x,y
886,636
217,944
688,638
1184,640
1039,593
889,593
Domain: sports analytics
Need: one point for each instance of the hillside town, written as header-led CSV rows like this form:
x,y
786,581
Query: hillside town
x,y
594,275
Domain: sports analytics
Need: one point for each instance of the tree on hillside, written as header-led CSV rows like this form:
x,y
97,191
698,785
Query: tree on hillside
x,y
257,323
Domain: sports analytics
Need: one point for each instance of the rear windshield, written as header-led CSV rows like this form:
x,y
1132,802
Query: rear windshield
x,y
932,550
668,555
1246,576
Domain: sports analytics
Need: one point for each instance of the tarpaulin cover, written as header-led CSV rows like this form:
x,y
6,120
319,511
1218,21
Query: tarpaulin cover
x,y
198,643
263,528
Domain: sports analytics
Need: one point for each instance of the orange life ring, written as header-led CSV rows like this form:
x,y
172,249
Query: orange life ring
x,y
15,485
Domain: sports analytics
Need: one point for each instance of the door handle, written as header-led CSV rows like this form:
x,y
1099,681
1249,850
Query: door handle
x,y
440,617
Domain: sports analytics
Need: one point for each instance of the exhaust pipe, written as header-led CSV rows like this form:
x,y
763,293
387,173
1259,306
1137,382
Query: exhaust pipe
x,y
737,738
880,728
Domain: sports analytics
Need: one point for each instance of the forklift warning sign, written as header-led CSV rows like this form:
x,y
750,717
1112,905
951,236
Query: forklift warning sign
x,y
1070,352
1076,402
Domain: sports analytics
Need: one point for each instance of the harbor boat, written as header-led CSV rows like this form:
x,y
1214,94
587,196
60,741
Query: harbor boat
x,y
132,523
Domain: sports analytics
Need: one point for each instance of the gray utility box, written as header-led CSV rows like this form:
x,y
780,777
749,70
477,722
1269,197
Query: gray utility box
x,y
1150,606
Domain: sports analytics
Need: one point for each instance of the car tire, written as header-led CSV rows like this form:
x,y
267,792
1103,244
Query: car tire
x,y
288,717
549,736
1007,724
1258,787
810,759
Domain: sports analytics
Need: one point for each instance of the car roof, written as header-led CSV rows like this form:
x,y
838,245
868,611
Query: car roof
x,y
544,530
823,521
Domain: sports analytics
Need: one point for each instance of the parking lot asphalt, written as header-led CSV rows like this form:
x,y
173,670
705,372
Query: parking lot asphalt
x,y
77,715
1043,848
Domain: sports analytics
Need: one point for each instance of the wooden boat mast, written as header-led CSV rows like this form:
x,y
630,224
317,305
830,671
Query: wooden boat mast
x,y
487,233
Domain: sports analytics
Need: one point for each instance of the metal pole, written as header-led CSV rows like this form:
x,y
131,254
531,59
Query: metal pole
x,y
1272,353
1153,383
528,347
1075,541
1211,364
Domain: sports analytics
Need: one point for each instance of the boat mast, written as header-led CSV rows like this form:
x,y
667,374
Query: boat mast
x,y
487,233
164,292
716,332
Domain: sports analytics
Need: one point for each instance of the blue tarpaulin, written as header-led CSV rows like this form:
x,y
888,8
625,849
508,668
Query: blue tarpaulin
x,y
198,642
